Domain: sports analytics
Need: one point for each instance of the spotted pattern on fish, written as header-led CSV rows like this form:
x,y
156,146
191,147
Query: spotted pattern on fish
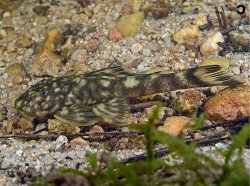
x,y
85,99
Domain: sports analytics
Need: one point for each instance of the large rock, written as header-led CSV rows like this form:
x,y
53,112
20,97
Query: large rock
x,y
229,104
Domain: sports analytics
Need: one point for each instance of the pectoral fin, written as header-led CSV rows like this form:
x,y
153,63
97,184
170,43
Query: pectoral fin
x,y
77,114
115,111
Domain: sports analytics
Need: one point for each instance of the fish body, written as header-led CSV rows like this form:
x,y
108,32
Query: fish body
x,y
85,99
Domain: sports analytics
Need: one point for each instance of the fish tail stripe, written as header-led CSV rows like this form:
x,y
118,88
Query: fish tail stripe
x,y
210,75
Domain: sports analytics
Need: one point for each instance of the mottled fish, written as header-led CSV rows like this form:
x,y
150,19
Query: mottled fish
x,y
85,99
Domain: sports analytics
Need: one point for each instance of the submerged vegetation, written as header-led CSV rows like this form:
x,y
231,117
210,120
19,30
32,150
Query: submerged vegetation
x,y
190,167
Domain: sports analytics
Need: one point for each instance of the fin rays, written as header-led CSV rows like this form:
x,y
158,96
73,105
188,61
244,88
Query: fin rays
x,y
114,111
211,75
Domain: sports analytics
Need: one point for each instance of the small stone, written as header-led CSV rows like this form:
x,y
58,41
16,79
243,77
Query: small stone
x,y
26,124
150,30
6,14
78,55
228,104
187,102
16,69
158,9
41,10
220,129
60,127
40,126
129,25
32,142
78,142
190,32
200,20
206,149
82,68
169,111
42,20
192,44
207,123
91,45
234,16
141,67
23,42
210,46
146,52
221,145
46,62
44,133
61,141
191,6
148,112
114,35
175,125
236,70
136,47
198,135
240,39
96,129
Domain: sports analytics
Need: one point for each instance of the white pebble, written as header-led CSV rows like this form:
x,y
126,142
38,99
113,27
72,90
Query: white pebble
x,y
140,67
137,47
236,70
60,141
221,145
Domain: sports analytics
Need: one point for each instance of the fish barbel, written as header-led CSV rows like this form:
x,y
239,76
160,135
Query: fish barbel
x,y
103,95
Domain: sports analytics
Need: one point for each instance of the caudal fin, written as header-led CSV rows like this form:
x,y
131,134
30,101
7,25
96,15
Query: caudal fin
x,y
210,76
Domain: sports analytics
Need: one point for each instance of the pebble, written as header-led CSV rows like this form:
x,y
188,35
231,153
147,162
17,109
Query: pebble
x,y
236,70
91,45
44,151
114,35
129,25
146,52
78,142
141,67
137,47
175,125
206,149
221,145
220,129
190,32
61,141
210,46
187,102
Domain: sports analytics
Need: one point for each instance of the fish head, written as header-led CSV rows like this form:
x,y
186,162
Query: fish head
x,y
42,100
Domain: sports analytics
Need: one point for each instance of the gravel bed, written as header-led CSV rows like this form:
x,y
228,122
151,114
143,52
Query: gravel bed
x,y
151,47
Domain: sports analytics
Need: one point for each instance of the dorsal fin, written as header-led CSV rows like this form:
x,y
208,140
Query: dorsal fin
x,y
116,71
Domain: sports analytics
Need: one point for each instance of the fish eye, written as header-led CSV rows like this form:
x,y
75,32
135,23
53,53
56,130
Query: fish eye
x,y
43,92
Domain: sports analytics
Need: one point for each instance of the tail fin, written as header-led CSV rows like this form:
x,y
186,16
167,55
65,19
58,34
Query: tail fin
x,y
210,76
